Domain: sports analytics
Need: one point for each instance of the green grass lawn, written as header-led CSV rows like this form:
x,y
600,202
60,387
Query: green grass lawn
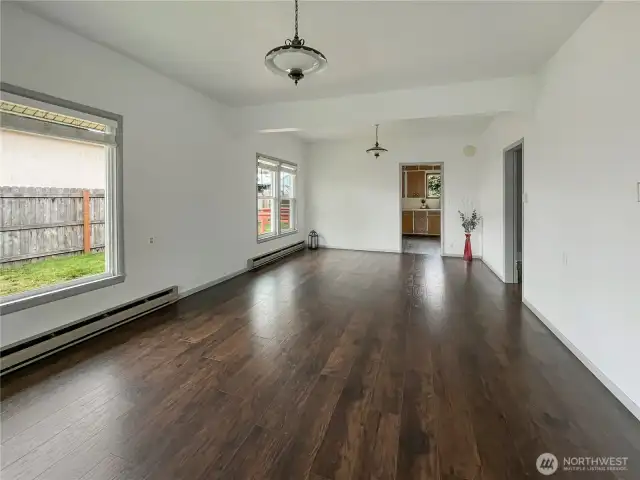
x,y
54,270
283,226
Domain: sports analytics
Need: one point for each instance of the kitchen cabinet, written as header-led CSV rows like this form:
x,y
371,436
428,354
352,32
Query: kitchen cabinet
x,y
407,222
420,222
416,184
433,226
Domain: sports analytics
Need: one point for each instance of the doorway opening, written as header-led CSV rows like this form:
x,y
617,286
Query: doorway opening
x,y
421,202
513,211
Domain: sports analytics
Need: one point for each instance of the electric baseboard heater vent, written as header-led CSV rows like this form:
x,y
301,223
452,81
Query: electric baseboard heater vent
x,y
15,356
274,256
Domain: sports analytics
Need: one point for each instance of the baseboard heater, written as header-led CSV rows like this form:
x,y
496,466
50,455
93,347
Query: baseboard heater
x,y
15,356
274,256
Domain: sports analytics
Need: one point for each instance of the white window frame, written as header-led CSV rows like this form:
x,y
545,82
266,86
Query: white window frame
x,y
280,166
114,218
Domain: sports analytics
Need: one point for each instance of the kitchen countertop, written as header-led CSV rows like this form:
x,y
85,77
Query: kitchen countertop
x,y
420,209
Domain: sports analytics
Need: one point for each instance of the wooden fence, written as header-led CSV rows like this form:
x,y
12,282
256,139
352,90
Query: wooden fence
x,y
39,223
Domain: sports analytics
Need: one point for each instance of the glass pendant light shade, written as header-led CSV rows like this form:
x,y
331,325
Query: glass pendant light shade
x,y
376,151
294,59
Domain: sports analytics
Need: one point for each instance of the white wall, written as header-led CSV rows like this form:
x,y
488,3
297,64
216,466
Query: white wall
x,y
582,139
38,161
188,180
354,201
505,130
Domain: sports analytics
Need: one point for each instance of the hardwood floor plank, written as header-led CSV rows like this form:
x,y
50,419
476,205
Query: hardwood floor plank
x,y
81,460
379,455
34,436
341,448
258,373
47,454
223,431
285,411
297,459
313,476
109,468
350,343
257,456
238,348
171,452
418,448
147,427
387,396
457,450
26,412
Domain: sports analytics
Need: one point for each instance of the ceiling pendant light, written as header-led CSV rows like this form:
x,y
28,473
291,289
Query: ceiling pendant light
x,y
377,150
294,59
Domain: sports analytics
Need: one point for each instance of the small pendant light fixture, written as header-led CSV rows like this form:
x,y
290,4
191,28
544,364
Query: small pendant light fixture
x,y
294,59
377,150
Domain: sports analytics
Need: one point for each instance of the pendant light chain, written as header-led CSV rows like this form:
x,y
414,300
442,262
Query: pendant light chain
x,y
377,125
296,22
296,40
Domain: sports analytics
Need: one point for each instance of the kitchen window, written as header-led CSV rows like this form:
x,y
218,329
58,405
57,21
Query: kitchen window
x,y
433,185
276,195
61,230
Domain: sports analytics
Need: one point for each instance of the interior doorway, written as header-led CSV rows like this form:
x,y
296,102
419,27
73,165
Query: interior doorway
x,y
513,211
421,208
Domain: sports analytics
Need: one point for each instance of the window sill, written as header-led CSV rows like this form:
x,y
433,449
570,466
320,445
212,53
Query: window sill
x,y
273,237
22,301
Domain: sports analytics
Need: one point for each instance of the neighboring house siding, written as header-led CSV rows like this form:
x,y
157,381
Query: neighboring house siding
x,y
35,161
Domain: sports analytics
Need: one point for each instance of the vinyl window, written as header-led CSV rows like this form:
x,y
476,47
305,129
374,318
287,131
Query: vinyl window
x,y
61,190
276,195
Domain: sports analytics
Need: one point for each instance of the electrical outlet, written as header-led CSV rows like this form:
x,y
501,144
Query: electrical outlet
x,y
152,240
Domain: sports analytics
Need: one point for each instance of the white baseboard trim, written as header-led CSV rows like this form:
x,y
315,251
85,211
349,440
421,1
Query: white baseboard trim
x,y
332,247
212,283
612,387
490,267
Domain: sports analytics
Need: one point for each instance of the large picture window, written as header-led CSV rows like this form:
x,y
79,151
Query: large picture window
x,y
61,231
276,191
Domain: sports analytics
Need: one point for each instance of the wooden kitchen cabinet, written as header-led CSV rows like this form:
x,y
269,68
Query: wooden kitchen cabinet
x,y
433,227
416,184
419,222
407,222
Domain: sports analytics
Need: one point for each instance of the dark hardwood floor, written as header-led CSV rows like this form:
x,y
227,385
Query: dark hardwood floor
x,y
421,244
329,365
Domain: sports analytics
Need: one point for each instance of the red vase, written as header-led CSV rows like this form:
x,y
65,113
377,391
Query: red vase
x,y
468,256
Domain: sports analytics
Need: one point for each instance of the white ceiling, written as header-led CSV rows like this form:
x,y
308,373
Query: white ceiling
x,y
218,47
468,125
